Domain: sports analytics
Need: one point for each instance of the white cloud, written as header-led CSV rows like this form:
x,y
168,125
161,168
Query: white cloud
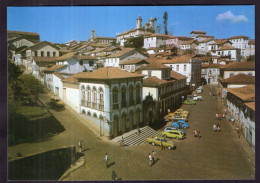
x,y
229,16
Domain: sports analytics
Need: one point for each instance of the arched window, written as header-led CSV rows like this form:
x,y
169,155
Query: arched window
x,y
115,99
123,99
89,97
131,95
89,113
138,94
94,115
94,98
83,96
83,112
101,99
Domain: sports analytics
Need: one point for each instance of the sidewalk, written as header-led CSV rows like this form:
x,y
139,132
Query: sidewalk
x,y
242,140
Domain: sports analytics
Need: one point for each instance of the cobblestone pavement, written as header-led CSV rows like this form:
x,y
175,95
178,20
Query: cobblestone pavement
x,y
217,155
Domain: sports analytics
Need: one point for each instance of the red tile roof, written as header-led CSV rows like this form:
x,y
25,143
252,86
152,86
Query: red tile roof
x,y
240,79
236,37
177,76
178,59
105,73
251,42
154,81
244,93
54,68
198,32
190,42
25,33
206,40
133,61
227,47
85,57
58,75
251,105
155,65
120,53
239,65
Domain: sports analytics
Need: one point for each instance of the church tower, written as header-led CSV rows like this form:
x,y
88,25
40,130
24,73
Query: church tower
x,y
92,34
152,23
139,22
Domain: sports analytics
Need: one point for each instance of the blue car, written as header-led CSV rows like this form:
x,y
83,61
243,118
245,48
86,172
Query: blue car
x,y
180,124
169,128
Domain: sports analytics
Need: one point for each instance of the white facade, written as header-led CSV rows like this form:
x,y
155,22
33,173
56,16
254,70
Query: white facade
x,y
154,41
182,68
228,74
240,43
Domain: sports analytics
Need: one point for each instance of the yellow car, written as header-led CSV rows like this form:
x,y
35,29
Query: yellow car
x,y
174,134
182,111
57,102
157,141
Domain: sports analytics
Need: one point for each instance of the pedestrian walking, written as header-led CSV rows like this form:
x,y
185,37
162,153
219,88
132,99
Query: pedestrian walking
x,y
198,133
225,111
150,159
218,127
210,94
194,132
153,156
219,116
229,118
123,139
80,145
223,115
114,176
161,146
106,158
214,128
216,116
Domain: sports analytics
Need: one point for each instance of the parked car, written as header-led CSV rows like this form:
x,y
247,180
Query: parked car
x,y
177,118
198,90
182,111
157,141
173,134
57,102
168,128
196,98
180,124
189,102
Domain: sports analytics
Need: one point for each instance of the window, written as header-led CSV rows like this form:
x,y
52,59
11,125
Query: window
x,y
229,53
185,68
123,99
249,74
131,95
91,63
36,53
48,54
54,54
115,99
81,62
138,94
231,74
177,68
42,53
149,73
94,98
101,99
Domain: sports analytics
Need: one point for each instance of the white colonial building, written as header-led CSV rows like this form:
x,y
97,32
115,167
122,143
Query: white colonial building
x,y
136,32
240,42
186,65
230,51
115,59
109,97
155,40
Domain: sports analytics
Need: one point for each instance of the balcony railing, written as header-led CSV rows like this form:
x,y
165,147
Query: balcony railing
x,y
115,106
89,104
83,103
124,104
138,100
101,107
94,105
131,102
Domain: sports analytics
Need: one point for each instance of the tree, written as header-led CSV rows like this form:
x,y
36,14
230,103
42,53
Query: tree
x,y
165,21
33,84
158,27
136,42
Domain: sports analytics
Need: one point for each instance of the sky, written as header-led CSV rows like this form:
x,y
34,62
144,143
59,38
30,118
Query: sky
x,y
62,24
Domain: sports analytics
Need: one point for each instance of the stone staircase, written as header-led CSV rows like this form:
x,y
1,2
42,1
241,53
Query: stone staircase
x,y
131,138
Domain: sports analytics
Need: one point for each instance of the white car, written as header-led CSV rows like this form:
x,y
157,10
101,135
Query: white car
x,y
198,90
196,98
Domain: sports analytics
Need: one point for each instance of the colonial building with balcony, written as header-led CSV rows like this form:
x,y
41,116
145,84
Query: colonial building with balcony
x,y
163,90
110,99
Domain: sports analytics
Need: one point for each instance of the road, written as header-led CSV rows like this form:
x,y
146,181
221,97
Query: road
x,y
217,155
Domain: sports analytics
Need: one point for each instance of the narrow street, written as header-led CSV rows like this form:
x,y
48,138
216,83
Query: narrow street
x,y
217,155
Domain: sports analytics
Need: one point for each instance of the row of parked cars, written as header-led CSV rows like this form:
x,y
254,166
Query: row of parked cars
x,y
179,122
191,99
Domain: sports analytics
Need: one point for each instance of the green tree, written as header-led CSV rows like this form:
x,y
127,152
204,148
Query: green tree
x,y
165,21
33,84
136,42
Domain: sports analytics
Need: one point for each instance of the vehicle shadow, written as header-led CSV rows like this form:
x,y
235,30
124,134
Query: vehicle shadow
x,y
111,164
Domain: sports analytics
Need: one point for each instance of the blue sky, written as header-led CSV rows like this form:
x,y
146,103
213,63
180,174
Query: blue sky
x,y
61,24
